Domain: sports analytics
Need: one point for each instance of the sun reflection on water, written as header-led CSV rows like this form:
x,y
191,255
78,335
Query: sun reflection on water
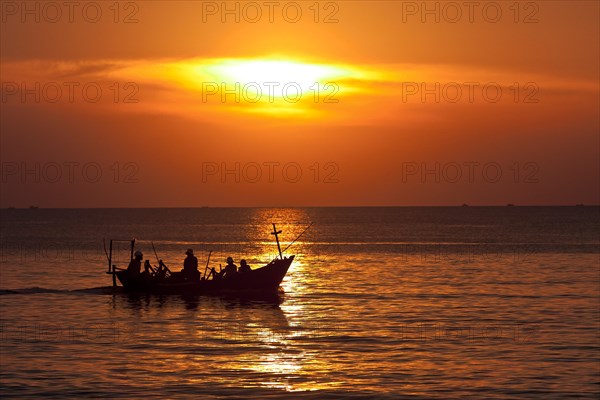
x,y
286,367
291,222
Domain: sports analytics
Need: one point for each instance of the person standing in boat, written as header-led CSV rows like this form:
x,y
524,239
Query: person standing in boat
x,y
135,265
190,265
244,267
230,269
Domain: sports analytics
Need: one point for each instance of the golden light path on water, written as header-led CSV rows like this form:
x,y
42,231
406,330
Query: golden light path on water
x,y
288,361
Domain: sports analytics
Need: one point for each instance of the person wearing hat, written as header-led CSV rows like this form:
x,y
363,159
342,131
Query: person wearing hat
x,y
230,268
135,265
190,265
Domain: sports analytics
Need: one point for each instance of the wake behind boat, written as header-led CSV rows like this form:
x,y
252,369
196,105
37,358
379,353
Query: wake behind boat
x,y
160,280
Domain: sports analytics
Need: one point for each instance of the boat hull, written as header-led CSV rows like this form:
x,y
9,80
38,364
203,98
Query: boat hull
x,y
259,281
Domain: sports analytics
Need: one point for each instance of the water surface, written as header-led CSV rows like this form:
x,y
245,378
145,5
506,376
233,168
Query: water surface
x,y
483,302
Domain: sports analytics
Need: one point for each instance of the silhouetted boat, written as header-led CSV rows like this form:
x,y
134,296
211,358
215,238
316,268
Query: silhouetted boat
x,y
260,281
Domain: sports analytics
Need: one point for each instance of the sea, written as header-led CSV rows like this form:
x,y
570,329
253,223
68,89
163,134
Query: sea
x,y
380,303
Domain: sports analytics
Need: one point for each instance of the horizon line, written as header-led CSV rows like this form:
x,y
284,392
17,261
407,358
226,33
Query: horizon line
x,y
466,205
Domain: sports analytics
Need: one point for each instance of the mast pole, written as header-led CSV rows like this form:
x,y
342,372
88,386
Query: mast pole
x,y
276,233
111,267
132,245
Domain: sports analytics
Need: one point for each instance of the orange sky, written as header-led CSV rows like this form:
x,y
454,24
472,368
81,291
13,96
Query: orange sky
x,y
160,133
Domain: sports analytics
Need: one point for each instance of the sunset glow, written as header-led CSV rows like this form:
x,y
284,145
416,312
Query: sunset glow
x,y
377,92
299,199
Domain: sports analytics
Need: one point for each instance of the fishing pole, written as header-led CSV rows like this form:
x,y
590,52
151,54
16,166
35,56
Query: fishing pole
x,y
156,255
106,252
160,263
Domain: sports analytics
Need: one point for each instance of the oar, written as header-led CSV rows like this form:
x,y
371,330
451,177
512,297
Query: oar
x,y
207,261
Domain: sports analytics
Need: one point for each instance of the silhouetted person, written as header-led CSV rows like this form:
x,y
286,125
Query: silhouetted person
x,y
244,267
214,273
162,270
135,266
190,265
147,270
230,268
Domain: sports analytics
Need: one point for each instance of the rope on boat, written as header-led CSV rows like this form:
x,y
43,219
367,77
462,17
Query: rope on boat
x,y
299,236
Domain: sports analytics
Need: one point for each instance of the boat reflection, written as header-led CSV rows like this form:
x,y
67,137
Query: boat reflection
x,y
144,301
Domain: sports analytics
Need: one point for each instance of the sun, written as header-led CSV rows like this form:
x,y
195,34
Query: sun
x,y
284,86
266,73
271,86
275,76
